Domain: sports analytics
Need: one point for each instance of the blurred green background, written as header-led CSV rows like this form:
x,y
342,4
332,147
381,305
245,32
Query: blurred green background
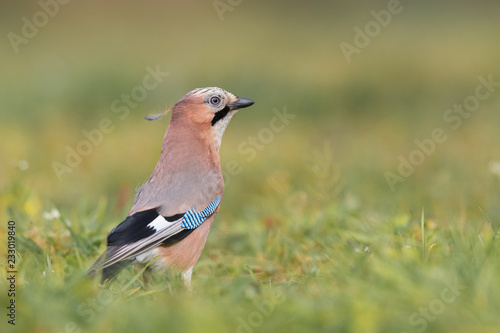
x,y
309,226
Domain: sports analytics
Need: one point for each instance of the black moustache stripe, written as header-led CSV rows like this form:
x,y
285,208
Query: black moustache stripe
x,y
220,115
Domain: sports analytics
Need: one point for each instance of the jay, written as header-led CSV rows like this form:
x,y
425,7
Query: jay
x,y
173,211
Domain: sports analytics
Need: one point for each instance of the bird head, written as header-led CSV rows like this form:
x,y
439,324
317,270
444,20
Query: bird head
x,y
209,109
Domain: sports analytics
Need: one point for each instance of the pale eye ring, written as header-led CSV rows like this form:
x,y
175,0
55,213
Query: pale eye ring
x,y
215,100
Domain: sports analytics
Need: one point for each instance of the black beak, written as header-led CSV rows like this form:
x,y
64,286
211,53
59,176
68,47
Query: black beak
x,y
240,103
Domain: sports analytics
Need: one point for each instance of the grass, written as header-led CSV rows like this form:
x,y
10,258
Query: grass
x,y
309,237
292,258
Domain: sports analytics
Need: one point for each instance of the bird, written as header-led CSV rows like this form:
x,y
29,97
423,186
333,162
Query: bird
x,y
172,213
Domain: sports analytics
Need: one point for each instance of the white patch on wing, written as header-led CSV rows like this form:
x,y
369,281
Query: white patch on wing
x,y
147,256
159,223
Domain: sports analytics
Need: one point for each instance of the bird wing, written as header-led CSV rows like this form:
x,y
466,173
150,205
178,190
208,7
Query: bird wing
x,y
148,229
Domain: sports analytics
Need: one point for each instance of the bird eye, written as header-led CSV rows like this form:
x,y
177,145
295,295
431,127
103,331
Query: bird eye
x,y
214,100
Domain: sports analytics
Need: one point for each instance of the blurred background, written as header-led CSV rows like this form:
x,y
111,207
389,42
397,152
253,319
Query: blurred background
x,y
64,79
357,101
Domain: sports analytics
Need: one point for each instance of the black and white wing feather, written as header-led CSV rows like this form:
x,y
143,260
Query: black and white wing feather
x,y
143,231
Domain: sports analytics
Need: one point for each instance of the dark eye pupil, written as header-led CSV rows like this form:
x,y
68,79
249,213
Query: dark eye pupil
x,y
215,100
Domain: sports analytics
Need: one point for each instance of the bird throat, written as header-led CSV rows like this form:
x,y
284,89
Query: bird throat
x,y
220,115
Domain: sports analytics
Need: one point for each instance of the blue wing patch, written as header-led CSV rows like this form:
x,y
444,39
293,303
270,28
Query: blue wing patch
x,y
193,219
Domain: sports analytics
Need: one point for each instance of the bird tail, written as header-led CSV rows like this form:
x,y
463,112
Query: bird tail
x,y
111,271
96,266
108,272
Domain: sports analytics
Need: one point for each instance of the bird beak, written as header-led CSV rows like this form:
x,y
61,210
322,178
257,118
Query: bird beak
x,y
240,103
